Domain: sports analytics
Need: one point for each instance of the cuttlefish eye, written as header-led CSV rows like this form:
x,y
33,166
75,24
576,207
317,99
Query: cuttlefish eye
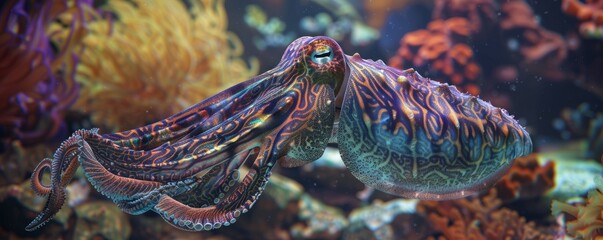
x,y
323,54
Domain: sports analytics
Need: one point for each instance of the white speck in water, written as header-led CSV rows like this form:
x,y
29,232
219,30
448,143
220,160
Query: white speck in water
x,y
513,44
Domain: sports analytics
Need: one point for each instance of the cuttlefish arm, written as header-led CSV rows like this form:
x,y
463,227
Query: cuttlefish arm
x,y
133,195
279,111
65,160
407,135
233,99
312,82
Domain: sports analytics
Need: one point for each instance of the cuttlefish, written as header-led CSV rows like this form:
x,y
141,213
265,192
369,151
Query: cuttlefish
x,y
203,167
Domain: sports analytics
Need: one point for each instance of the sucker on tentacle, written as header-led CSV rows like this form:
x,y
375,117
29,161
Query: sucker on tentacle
x,y
62,168
397,132
36,177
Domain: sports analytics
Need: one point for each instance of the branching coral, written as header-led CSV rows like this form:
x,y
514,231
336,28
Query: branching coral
x,y
441,49
36,81
526,179
587,222
477,218
156,58
525,47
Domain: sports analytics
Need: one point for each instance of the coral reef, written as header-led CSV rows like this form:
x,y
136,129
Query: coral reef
x,y
271,30
477,218
590,15
317,220
292,214
381,220
526,179
101,219
17,161
451,53
443,51
573,177
154,59
377,11
586,220
349,23
586,42
540,50
31,202
37,84
479,13
582,122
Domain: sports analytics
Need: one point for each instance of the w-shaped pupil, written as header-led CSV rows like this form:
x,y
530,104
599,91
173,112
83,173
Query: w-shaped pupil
x,y
323,55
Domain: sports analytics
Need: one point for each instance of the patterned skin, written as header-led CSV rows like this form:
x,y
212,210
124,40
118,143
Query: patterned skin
x,y
397,132
414,137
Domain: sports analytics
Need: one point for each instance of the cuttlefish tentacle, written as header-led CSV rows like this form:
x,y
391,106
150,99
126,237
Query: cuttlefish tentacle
x,y
276,147
183,159
122,190
108,184
180,124
216,182
223,212
212,183
62,168
36,181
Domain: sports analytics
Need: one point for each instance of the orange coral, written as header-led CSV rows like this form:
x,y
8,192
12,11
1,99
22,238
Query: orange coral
x,y
477,218
526,179
444,51
587,220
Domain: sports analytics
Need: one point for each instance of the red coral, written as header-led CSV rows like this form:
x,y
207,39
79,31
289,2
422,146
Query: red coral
x,y
477,218
526,179
443,50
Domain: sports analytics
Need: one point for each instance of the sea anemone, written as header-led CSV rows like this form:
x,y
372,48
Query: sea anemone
x,y
36,72
587,220
145,60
